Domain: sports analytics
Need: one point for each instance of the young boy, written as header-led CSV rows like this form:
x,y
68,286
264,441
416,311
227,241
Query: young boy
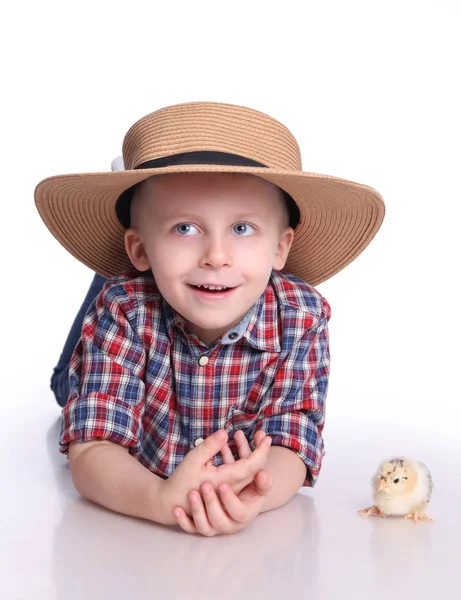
x,y
198,335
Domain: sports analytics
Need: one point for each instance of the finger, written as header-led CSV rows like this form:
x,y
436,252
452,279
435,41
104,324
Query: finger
x,y
199,514
227,455
264,481
259,436
242,444
217,516
209,447
246,468
257,459
234,506
184,521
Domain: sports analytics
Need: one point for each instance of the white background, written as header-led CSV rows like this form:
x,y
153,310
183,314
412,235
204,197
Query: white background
x,y
371,92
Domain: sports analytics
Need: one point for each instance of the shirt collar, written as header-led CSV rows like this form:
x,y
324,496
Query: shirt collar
x,y
259,326
263,331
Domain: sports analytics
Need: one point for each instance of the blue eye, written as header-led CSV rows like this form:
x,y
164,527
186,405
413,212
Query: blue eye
x,y
242,228
184,228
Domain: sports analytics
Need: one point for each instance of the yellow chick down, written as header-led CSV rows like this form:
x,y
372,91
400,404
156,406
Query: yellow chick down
x,y
402,487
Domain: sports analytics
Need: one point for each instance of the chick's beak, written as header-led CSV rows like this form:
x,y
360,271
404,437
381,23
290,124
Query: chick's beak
x,y
383,485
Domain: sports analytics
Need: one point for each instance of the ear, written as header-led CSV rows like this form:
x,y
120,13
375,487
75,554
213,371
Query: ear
x,y
283,248
135,249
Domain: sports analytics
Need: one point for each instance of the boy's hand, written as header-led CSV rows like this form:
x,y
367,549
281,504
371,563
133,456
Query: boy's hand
x,y
244,451
224,513
197,468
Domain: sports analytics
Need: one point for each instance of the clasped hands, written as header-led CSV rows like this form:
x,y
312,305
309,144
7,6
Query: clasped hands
x,y
214,500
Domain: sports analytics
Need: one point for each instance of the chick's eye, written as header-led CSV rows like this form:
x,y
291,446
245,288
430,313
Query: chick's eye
x,y
243,229
185,229
396,480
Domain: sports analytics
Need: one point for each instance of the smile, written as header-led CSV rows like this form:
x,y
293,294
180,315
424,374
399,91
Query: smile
x,y
213,287
206,292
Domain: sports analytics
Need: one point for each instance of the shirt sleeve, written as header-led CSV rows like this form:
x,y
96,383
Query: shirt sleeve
x,y
293,410
106,371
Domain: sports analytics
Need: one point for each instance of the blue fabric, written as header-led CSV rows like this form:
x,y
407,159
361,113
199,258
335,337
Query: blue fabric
x,y
60,378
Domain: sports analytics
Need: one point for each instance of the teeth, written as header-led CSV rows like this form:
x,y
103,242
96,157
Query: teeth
x,y
213,287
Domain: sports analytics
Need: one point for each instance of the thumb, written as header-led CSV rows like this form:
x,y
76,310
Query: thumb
x,y
263,481
210,446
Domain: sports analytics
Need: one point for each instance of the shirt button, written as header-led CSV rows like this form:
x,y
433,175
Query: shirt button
x,y
233,335
203,361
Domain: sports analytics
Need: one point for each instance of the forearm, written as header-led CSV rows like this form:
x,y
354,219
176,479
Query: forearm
x,y
288,472
107,474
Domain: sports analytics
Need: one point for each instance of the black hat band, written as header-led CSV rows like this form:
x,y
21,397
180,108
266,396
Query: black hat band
x,y
203,157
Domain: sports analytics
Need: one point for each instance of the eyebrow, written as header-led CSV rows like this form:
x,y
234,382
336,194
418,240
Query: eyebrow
x,y
192,217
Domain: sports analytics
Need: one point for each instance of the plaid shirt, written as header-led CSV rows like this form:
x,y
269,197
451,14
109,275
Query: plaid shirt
x,y
139,376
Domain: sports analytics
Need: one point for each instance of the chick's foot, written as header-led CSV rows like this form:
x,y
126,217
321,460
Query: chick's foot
x,y
416,516
371,510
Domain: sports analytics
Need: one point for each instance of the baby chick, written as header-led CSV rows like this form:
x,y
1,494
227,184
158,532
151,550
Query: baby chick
x,y
401,487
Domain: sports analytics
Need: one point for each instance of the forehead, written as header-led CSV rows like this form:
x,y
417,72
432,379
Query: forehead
x,y
200,195
171,191
392,467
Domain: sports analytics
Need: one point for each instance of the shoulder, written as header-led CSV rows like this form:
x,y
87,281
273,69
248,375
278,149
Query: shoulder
x,y
130,291
296,294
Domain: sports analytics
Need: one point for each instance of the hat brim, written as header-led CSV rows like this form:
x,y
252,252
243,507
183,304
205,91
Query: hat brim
x,y
339,218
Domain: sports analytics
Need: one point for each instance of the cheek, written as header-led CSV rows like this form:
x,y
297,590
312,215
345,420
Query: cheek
x,y
163,252
255,253
162,261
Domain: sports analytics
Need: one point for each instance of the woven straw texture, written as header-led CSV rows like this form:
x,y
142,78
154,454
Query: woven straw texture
x,y
339,218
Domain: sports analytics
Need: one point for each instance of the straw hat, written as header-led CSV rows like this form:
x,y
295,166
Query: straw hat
x,y
337,218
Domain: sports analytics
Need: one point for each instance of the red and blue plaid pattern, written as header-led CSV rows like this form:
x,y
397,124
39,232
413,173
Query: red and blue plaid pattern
x,y
135,377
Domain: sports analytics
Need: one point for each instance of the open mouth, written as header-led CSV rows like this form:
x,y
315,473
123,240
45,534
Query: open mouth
x,y
207,288
212,291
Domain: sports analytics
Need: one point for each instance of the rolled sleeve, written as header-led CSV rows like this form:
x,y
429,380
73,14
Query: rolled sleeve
x,y
107,391
294,410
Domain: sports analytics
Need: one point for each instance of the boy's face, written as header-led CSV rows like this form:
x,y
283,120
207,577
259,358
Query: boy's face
x,y
221,229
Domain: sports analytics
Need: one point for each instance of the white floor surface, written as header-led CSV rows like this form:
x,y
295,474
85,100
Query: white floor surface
x,y
56,545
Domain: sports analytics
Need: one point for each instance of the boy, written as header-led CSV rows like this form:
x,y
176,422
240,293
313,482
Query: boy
x,y
206,338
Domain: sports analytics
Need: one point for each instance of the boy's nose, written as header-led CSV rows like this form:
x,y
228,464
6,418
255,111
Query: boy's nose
x,y
216,252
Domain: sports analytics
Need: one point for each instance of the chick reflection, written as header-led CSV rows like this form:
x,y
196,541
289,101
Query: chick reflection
x,y
401,553
97,553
